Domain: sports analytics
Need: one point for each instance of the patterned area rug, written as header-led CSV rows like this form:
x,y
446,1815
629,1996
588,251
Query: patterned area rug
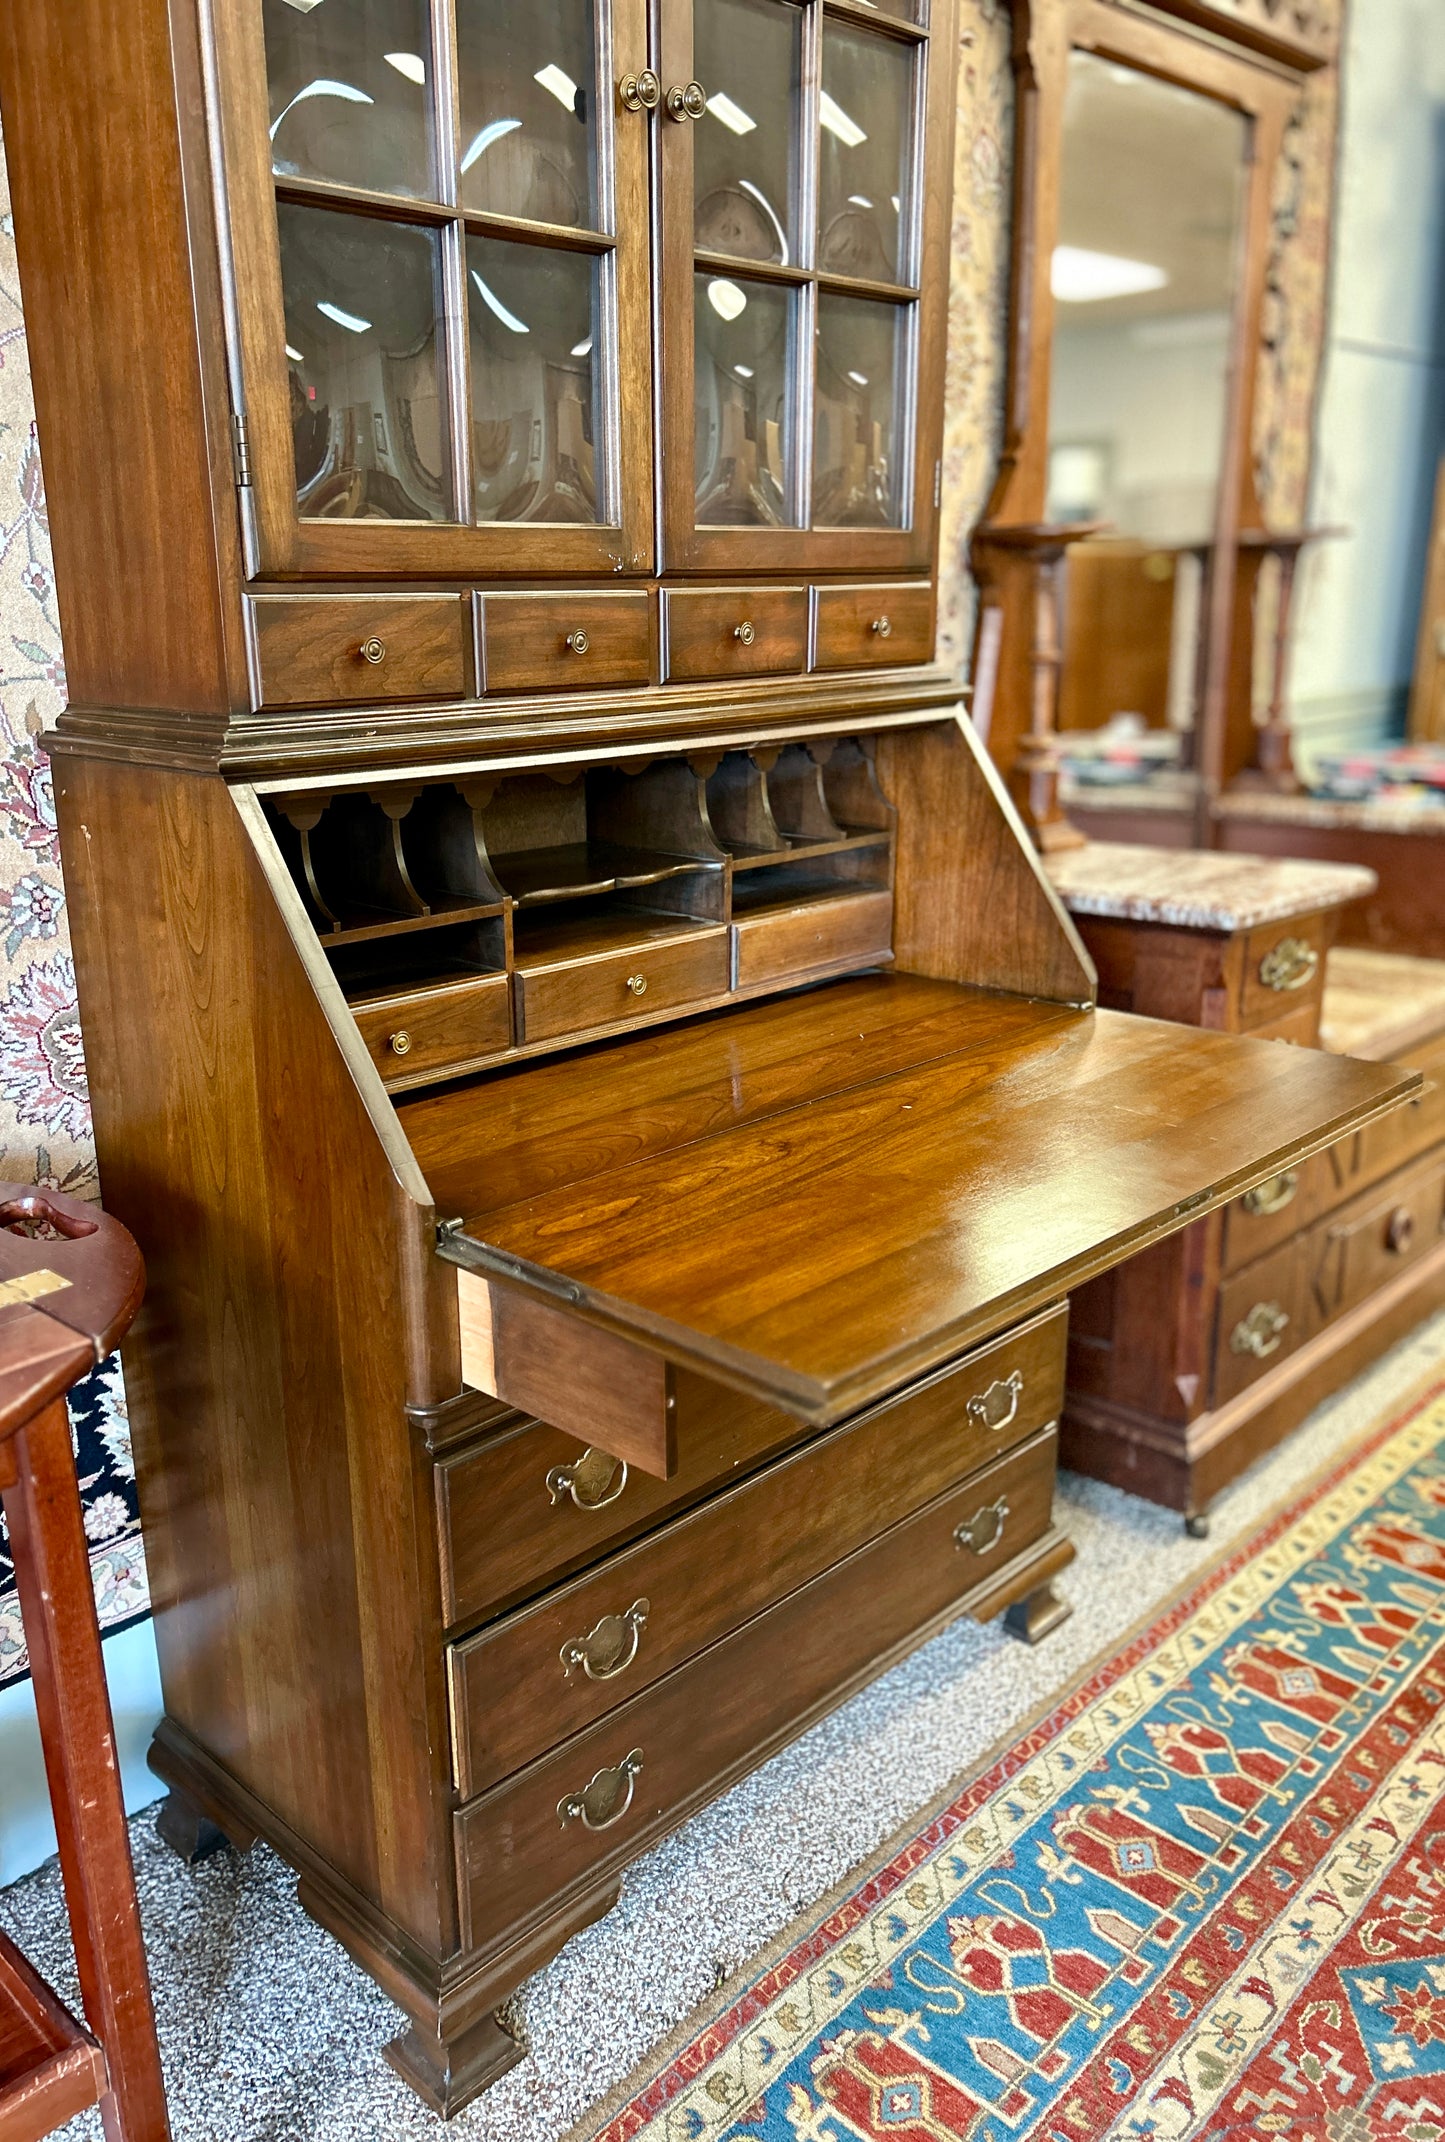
x,y
1204,1894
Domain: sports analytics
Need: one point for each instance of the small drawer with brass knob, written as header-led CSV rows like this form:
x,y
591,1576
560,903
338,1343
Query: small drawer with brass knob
x,y
570,983
409,1036
555,643
733,632
317,650
867,627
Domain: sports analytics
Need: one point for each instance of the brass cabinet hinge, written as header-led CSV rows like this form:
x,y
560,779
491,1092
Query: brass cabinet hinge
x,y
240,451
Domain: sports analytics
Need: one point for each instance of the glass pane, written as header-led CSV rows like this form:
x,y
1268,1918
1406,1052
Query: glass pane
x,y
535,382
744,336
528,73
865,153
349,98
859,430
748,56
368,404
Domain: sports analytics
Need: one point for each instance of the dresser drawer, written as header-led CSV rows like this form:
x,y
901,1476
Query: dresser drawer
x,y
562,643
1265,1312
1412,1128
591,1804
1377,1235
817,933
874,627
567,996
542,1674
733,632
1275,1210
1284,974
436,1029
316,650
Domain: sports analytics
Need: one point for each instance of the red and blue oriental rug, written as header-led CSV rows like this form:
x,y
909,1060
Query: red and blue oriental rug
x,y
1204,1894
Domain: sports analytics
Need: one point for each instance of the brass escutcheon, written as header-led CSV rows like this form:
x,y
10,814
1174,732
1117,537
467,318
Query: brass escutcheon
x,y
996,1407
605,1798
372,650
610,1648
640,92
400,1043
1289,964
983,1531
1259,1333
592,1481
1274,1195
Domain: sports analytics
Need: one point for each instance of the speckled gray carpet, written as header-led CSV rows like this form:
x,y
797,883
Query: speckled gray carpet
x,y
270,2035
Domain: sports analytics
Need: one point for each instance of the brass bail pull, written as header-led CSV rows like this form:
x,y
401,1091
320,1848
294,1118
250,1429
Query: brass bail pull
x,y
606,1796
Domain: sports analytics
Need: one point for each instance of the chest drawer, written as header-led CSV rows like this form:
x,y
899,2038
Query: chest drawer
x,y
733,632
590,1805
874,627
562,995
529,1681
562,643
1377,1234
768,947
315,650
436,1029
1288,1202
1284,976
1265,1312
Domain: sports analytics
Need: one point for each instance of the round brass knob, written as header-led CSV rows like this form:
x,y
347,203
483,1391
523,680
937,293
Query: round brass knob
x,y
746,632
399,1043
686,103
373,650
637,984
1400,1232
640,92
883,626
578,643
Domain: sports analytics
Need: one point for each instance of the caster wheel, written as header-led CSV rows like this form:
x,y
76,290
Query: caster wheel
x,y
1197,1526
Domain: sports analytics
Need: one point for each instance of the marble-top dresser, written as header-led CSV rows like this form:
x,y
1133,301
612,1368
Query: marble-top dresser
x,y
1189,1361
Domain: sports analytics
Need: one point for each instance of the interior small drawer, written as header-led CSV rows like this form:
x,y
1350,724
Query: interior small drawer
x,y
1284,972
314,650
562,994
815,934
874,627
530,1680
733,632
593,1802
436,1029
560,643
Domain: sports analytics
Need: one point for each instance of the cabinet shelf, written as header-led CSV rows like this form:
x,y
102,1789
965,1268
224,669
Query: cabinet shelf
x,y
444,912
545,938
536,876
803,851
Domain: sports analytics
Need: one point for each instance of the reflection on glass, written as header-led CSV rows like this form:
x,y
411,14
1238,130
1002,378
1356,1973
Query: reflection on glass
x,y
745,150
865,150
528,76
1143,279
744,333
348,92
859,425
532,314
368,404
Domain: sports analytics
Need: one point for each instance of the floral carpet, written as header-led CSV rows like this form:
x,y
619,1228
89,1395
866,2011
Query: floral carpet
x,y
1204,1894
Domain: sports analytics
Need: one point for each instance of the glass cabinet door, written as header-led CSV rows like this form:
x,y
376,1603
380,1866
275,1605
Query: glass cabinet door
x,y
799,370
461,248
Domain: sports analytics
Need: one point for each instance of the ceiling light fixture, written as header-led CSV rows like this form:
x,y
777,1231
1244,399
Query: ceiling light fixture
x,y
488,135
494,304
836,120
352,320
1078,276
725,298
561,85
721,105
407,63
322,87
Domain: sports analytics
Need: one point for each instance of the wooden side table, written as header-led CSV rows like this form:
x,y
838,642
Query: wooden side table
x,y
70,1282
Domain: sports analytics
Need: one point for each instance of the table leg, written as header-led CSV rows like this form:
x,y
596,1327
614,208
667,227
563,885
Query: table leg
x,y
52,1571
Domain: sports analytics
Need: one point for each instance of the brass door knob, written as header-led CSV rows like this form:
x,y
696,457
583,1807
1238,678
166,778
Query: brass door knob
x,y
373,650
637,985
578,643
399,1043
688,102
883,626
640,92
746,632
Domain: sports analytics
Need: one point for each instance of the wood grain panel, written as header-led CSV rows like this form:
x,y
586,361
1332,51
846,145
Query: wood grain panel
x,y
569,995
560,643
814,934
441,1028
308,648
733,632
866,627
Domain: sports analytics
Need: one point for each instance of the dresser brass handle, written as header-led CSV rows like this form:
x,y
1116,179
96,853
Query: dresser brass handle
x,y
747,632
981,1533
883,626
1259,1333
610,1648
640,92
592,1481
399,1044
578,642
637,985
1400,1232
1289,964
996,1407
605,1798
684,103
1274,1195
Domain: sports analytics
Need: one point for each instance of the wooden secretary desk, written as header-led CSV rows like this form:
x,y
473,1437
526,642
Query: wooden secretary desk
x,y
610,1105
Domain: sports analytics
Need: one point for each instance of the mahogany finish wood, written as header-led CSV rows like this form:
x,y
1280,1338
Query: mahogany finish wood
x,y
320,649
741,632
860,627
72,1282
564,642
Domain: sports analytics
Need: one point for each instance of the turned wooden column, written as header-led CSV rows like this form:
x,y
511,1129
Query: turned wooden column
x,y
1260,755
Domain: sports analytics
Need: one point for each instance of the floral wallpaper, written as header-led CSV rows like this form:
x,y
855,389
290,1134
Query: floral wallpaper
x,y
44,1107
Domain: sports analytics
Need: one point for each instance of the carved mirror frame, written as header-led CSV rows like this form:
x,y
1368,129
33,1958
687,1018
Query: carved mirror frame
x,y
1017,557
